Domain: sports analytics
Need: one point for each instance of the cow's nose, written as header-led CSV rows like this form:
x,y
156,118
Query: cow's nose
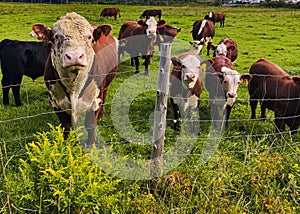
x,y
75,58
189,76
231,94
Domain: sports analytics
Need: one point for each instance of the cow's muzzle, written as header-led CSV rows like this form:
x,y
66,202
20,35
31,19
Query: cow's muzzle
x,y
75,59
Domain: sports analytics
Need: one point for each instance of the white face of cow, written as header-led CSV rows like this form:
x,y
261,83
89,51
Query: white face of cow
x,y
230,83
221,49
72,52
152,27
190,70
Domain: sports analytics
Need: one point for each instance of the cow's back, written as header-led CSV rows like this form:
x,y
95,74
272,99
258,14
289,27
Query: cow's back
x,y
21,57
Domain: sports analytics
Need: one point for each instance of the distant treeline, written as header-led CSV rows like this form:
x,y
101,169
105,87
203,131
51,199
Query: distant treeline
x,y
124,2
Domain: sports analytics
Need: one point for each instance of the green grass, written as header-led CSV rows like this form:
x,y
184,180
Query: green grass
x,y
251,171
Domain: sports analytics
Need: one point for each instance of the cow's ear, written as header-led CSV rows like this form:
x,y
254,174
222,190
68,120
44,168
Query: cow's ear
x,y
161,22
296,79
141,22
176,61
245,77
105,29
41,32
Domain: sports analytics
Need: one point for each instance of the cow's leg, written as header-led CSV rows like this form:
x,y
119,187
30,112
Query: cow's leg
x,y
16,93
253,105
131,61
208,47
227,112
137,64
5,91
65,120
279,122
263,111
177,116
146,63
90,124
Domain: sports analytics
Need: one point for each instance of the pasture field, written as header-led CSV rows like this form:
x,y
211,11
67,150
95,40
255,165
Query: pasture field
x,y
253,170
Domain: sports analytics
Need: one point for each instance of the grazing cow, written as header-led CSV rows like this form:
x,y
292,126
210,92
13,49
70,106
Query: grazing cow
x,y
140,38
75,74
106,12
226,47
167,34
203,32
217,17
186,84
277,91
221,82
20,58
148,13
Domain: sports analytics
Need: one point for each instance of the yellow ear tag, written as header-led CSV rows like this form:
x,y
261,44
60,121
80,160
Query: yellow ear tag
x,y
203,66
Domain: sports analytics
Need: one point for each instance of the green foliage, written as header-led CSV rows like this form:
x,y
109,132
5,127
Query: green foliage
x,y
57,177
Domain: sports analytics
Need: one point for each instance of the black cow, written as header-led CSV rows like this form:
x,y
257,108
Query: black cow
x,y
147,13
20,58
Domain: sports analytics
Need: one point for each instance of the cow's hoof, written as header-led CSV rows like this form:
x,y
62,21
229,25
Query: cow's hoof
x,y
137,72
146,73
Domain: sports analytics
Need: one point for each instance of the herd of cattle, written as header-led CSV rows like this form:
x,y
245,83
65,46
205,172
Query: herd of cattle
x,y
79,61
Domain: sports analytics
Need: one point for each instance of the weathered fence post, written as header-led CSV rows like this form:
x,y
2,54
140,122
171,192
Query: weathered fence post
x,y
160,112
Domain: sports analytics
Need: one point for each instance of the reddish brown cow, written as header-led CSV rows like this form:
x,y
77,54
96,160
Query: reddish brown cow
x,y
203,32
277,91
138,39
217,17
167,34
221,82
106,12
102,41
226,47
148,13
76,76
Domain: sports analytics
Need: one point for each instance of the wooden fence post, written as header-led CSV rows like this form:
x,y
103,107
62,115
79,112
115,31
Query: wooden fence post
x,y
160,112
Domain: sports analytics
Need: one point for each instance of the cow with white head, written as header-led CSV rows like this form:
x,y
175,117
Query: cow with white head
x,y
186,84
71,70
222,82
203,32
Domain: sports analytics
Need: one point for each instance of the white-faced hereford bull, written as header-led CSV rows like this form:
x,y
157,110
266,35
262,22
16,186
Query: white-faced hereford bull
x,y
203,32
167,34
108,12
221,82
226,47
186,84
217,17
277,91
74,75
139,40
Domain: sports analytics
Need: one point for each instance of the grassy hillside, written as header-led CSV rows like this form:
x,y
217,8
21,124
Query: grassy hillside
x,y
253,169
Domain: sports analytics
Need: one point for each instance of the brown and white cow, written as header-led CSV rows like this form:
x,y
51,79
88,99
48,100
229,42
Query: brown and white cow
x,y
139,40
221,82
108,12
167,34
217,17
74,74
203,32
277,91
185,84
148,13
226,47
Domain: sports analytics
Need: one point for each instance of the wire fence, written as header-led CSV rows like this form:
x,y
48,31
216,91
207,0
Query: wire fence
x,y
285,135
